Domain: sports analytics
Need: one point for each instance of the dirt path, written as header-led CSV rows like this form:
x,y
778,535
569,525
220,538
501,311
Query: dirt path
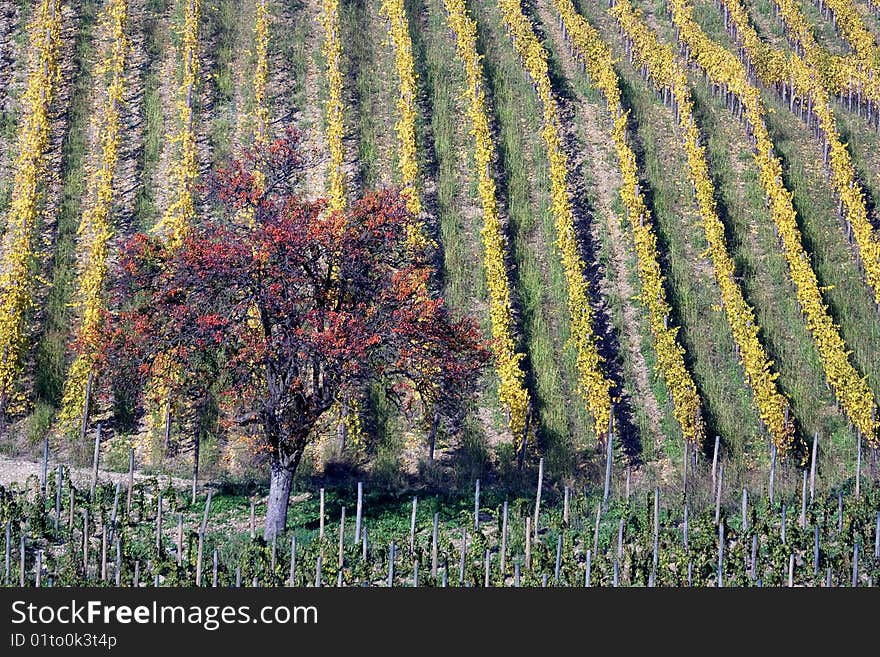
x,y
593,122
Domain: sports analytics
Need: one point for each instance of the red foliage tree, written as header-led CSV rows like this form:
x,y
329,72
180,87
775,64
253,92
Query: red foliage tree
x,y
295,308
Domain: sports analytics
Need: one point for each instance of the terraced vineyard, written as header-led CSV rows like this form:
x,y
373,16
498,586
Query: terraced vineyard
x,y
662,215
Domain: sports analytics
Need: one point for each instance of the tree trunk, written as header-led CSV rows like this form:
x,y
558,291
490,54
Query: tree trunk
x,y
281,479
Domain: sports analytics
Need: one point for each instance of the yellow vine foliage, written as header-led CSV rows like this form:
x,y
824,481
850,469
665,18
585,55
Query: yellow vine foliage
x,y
185,169
806,82
851,390
511,388
667,74
332,50
17,279
594,386
261,72
96,228
842,75
596,55
405,126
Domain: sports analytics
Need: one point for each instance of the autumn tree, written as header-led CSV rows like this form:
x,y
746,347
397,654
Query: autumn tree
x,y
295,307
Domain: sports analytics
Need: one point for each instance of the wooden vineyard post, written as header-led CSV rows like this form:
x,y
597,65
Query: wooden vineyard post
x,y
859,467
318,571
321,514
463,555
754,561
434,537
8,552
877,537
199,553
45,471
117,570
179,539
21,571
130,481
391,547
565,505
628,481
253,519
359,513
415,574
720,554
558,564
782,527
504,540
137,574
38,569
684,476
816,551
487,562
596,533
292,573
813,458
791,570
608,461
538,495
104,554
528,562
476,506
115,511
214,570
364,543
804,501
745,512
620,539
715,460
516,575
855,566
95,462
341,536
59,480
86,543
412,525
772,471
588,568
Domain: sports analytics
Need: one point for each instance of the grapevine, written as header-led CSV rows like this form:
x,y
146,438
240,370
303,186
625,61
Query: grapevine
x,y
332,50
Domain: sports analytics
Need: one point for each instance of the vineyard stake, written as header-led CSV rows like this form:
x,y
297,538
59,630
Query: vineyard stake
x,y
855,571
804,501
38,569
828,578
415,574
137,574
877,537
104,554
772,470
558,559
358,513
656,559
412,525
115,511
341,535
434,537
199,558
95,462
179,539
715,460
588,568
745,511
596,533
684,478
45,472
686,526
476,506
8,551
690,572
71,498
486,575
159,523
21,573
544,581
620,538
528,563
718,494
616,568
463,551
859,467
391,564
816,551
214,571
754,556
58,481
238,577
204,526
565,506
791,570
130,480
784,517
321,514
253,520
364,543
628,480
538,495
444,580
516,574
608,459
813,458
720,554
86,543
118,569
504,539
292,573
318,571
